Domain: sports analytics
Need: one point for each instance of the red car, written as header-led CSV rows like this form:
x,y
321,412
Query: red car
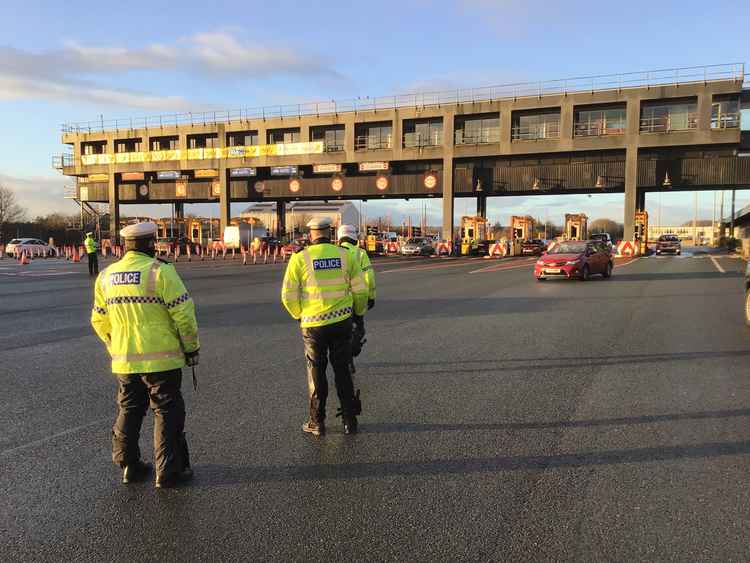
x,y
575,259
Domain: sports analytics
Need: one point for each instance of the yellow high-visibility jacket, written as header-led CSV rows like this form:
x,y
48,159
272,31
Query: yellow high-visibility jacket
x,y
144,315
323,285
360,255
90,245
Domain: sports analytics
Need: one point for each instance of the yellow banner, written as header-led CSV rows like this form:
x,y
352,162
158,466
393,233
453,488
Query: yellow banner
x,y
255,151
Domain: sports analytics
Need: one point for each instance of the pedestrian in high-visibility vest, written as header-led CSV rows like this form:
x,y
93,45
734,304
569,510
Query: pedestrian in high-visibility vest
x,y
91,256
347,235
146,318
323,288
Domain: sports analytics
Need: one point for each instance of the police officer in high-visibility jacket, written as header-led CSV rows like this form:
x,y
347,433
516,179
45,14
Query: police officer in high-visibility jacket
x,y
90,245
347,235
323,287
146,318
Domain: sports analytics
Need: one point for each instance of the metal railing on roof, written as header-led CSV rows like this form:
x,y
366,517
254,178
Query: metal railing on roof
x,y
661,77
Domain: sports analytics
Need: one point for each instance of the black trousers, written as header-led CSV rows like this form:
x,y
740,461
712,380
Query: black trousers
x,y
160,390
322,343
93,261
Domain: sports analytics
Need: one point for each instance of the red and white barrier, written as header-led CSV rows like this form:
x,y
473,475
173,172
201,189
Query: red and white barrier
x,y
443,248
498,250
626,248
391,248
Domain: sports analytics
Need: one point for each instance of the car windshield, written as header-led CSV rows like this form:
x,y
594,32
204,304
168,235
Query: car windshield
x,y
569,248
414,241
15,241
668,238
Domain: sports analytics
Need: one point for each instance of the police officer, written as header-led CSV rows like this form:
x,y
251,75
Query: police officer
x,y
347,235
146,318
323,287
90,244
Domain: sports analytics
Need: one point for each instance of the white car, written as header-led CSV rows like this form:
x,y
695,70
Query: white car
x,y
32,246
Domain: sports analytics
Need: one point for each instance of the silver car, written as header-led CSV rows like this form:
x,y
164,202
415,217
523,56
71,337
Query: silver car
x,y
417,247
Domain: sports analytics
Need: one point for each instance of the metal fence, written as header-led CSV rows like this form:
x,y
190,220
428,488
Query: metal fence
x,y
661,77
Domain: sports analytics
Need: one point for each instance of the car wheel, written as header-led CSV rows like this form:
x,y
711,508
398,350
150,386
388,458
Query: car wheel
x,y
679,252
608,271
747,307
585,273
540,279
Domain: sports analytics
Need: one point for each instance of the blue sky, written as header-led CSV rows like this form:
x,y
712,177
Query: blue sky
x,y
78,60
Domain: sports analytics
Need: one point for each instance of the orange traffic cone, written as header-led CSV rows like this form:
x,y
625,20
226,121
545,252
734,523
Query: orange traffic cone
x,y
76,256
24,258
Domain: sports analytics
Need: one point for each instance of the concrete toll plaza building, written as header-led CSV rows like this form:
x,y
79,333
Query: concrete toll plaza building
x,y
675,129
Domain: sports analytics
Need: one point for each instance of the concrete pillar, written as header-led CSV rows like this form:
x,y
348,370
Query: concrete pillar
x,y
704,111
280,219
482,206
448,203
113,197
631,191
225,201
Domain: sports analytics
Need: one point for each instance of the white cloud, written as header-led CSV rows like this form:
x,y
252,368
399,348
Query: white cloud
x,y
40,195
80,73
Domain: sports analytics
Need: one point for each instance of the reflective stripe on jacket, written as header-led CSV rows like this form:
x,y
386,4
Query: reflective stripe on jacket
x,y
144,315
360,255
90,245
323,285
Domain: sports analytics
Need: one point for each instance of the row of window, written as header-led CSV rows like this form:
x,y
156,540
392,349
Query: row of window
x,y
659,117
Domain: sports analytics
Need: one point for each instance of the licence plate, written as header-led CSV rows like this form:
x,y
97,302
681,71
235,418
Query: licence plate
x,y
552,271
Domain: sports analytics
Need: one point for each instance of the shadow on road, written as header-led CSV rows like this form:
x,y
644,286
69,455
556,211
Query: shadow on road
x,y
530,364
408,427
221,475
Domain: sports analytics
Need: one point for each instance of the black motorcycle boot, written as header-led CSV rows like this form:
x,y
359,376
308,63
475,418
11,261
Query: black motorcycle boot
x,y
173,479
350,424
314,428
135,472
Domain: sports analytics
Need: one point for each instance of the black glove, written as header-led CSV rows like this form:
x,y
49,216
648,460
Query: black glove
x,y
370,304
192,358
358,320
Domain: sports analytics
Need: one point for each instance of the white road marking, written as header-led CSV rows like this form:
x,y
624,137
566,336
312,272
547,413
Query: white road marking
x,y
718,266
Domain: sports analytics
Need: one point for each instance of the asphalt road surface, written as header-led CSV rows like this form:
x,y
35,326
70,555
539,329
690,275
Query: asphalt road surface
x,y
504,420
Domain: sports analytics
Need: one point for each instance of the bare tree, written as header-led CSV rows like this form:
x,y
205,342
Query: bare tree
x,y
10,210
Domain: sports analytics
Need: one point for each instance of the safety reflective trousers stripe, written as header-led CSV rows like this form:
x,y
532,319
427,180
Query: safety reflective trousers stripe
x,y
148,356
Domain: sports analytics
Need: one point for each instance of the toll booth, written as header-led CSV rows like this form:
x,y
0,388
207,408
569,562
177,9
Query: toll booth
x,y
523,227
640,231
195,230
473,234
169,228
576,226
372,239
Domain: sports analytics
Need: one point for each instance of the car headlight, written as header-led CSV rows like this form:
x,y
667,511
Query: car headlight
x,y
540,262
571,262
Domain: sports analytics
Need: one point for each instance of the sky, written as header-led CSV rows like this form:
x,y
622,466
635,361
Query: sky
x,y
80,61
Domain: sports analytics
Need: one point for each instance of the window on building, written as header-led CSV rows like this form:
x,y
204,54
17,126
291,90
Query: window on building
x,y
536,125
594,122
725,113
208,141
242,138
373,136
283,136
128,145
671,116
165,143
423,132
477,129
331,135
94,147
